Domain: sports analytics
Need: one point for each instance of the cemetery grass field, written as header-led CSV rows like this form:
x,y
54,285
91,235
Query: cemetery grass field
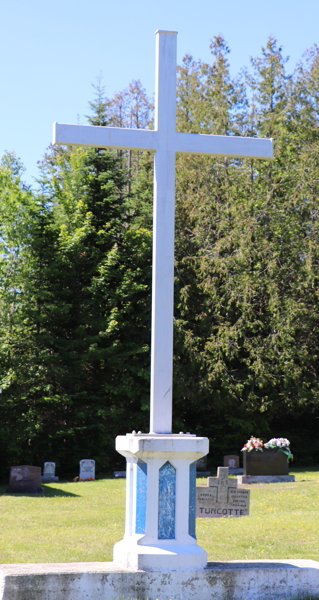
x,y
81,521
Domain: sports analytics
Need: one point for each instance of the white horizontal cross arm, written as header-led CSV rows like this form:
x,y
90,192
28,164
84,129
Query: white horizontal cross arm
x,y
225,145
104,137
144,139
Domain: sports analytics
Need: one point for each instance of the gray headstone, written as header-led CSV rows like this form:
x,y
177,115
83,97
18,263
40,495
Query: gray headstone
x,y
87,469
201,464
25,479
49,473
119,474
49,469
221,498
231,461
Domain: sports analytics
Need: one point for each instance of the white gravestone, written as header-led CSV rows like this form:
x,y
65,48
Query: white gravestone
x,y
87,469
49,469
49,473
161,466
221,498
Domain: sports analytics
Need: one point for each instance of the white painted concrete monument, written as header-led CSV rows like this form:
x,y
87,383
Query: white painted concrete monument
x,y
161,466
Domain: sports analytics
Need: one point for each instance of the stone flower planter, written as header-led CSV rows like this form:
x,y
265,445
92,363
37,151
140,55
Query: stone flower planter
x,y
267,462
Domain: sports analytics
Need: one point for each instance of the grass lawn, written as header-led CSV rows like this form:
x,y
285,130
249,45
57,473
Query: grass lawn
x,y
81,522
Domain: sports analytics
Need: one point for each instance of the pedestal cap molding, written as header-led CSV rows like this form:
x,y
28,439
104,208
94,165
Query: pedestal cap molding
x,y
162,446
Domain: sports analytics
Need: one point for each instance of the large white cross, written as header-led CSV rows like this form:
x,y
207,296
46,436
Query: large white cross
x,y
164,141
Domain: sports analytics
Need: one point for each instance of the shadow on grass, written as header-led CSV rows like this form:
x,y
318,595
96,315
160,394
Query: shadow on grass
x,y
49,492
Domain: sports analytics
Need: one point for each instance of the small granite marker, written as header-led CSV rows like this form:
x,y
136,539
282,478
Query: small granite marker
x,y
49,473
119,474
25,479
87,469
201,464
201,467
221,498
232,462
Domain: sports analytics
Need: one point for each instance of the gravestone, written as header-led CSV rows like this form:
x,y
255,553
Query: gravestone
x,y
49,469
266,462
49,473
119,474
221,498
201,467
266,466
232,462
201,464
87,469
25,479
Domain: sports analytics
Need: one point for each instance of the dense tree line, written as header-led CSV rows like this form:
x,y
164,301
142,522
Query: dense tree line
x,y
75,275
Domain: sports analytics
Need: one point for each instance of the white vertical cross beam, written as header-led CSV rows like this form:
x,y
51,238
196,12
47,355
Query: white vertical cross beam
x,y
164,142
163,235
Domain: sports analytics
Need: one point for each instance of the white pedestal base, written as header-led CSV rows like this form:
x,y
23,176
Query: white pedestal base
x,y
156,558
160,515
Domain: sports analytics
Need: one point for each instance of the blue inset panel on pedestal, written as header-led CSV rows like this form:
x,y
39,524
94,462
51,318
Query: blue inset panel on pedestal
x,y
141,496
192,501
167,502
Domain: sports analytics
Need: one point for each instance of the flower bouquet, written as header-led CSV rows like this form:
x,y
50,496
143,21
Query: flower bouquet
x,y
253,444
281,444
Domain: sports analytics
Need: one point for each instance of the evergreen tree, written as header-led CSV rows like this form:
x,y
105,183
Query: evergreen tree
x,y
80,372
242,239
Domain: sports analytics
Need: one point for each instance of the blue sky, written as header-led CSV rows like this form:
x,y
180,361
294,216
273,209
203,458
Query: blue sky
x,y
51,52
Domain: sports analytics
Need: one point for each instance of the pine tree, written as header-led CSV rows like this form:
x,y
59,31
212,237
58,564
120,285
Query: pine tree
x,y
241,241
79,373
99,375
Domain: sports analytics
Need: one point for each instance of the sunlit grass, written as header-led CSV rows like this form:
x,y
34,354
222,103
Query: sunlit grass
x,y
284,523
82,521
72,522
